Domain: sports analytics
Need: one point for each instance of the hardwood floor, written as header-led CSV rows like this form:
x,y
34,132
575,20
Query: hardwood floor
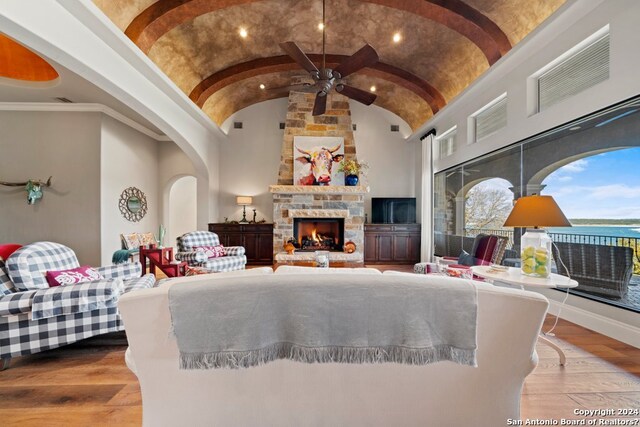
x,y
87,383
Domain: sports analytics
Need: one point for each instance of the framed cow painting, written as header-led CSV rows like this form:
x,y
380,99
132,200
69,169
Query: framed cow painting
x,y
317,160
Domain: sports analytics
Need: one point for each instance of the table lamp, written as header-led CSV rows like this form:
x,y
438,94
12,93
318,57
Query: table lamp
x,y
533,212
244,201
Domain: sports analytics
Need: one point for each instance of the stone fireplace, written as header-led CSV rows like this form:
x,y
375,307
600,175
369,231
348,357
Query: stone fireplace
x,y
293,204
317,204
318,234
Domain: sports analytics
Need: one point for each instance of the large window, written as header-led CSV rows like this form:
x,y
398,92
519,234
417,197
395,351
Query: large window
x,y
589,167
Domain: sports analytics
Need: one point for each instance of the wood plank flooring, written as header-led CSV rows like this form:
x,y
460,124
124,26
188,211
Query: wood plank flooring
x,y
88,384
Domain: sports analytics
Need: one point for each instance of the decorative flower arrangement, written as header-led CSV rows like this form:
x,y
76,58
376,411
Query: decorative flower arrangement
x,y
353,167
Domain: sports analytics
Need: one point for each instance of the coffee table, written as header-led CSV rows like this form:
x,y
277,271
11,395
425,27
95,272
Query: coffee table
x,y
309,263
514,277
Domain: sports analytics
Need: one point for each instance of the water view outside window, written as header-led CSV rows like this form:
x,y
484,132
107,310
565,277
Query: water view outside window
x,y
590,168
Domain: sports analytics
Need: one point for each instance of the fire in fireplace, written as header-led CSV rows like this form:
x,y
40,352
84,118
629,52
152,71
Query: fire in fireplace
x,y
315,234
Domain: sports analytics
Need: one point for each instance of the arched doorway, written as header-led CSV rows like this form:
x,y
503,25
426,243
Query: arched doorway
x,y
182,208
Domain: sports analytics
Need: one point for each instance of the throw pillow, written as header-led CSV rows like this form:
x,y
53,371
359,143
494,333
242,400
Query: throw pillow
x,y
72,276
466,258
211,251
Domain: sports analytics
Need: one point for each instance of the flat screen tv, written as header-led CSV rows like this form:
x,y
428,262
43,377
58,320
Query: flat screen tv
x,y
393,210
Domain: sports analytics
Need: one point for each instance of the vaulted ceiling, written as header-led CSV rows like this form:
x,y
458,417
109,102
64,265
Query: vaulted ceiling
x,y
445,45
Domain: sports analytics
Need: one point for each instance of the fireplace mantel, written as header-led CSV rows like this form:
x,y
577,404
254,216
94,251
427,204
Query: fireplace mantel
x,y
318,189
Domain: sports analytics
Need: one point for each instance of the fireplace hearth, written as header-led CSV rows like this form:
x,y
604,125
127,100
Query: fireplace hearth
x,y
315,234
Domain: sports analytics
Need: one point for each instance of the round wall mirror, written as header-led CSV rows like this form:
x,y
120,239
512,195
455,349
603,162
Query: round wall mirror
x,y
133,204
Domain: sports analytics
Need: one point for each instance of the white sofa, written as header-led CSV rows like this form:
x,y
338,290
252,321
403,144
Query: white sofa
x,y
287,393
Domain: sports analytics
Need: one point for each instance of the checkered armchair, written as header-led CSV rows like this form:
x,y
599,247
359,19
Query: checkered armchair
x,y
234,259
35,317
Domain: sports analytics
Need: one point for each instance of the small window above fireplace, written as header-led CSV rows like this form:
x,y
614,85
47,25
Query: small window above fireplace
x,y
314,234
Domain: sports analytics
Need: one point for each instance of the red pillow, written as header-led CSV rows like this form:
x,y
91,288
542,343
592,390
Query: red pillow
x,y
211,251
72,276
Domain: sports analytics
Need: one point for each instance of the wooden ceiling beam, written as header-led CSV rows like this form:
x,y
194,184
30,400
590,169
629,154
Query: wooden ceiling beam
x,y
164,15
283,63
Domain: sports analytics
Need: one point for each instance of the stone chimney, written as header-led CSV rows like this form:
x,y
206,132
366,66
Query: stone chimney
x,y
300,122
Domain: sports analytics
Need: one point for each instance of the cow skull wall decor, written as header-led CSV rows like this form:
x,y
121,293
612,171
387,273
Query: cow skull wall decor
x,y
33,187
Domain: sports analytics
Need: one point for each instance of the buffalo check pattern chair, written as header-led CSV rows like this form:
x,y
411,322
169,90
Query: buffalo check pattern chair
x,y
35,317
234,259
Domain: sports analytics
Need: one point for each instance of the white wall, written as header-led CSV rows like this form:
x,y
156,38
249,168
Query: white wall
x,y
182,209
392,160
128,159
173,165
250,158
576,21
63,145
249,161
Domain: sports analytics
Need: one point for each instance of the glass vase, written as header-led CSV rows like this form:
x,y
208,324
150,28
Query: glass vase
x,y
322,259
536,253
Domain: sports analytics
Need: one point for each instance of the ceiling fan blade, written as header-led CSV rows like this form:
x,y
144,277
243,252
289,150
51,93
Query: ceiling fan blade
x,y
365,57
320,106
299,56
356,94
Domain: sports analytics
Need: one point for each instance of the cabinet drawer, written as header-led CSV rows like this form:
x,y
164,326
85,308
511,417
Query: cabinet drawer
x,y
259,228
411,228
378,227
223,228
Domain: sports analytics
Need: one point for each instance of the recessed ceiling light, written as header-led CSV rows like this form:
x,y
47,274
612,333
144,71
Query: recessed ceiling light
x,y
321,26
262,86
372,88
397,37
575,128
243,33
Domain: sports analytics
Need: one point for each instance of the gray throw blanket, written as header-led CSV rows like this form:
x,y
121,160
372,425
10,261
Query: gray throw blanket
x,y
248,321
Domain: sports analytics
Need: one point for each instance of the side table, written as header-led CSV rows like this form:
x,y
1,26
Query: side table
x,y
161,258
514,277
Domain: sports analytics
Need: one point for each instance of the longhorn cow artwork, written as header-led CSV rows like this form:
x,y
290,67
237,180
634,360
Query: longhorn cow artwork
x,y
33,187
316,165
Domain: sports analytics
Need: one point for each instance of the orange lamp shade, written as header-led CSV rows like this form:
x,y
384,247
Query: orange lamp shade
x,y
244,200
536,211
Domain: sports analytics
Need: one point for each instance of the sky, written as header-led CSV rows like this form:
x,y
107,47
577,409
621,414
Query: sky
x,y
606,185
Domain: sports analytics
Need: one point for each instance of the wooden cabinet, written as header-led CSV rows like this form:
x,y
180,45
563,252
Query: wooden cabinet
x,y
257,240
391,243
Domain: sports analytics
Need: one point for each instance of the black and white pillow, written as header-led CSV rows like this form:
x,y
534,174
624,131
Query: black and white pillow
x,y
6,285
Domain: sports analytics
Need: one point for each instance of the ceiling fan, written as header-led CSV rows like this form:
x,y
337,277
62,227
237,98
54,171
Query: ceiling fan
x,y
325,79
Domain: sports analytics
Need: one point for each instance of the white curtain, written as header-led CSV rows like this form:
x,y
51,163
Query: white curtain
x,y
426,240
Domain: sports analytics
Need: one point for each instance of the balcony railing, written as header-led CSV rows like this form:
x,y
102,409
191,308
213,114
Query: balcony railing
x,y
588,239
